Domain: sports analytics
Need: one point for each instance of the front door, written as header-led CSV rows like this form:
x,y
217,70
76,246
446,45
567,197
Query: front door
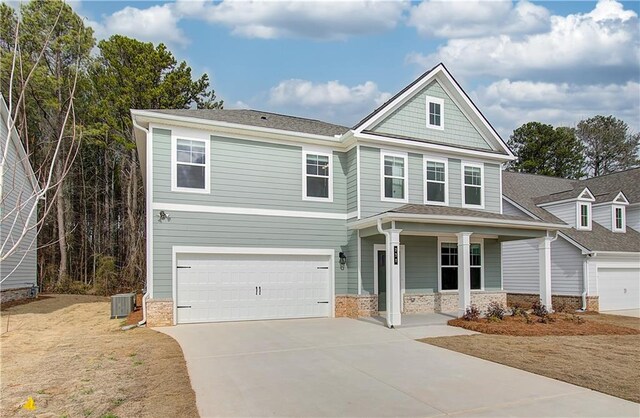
x,y
382,280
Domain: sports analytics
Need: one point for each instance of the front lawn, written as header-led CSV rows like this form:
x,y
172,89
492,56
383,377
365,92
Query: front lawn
x,y
600,352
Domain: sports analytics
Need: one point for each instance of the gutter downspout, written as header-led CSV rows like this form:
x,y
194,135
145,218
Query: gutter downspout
x,y
146,294
387,236
585,280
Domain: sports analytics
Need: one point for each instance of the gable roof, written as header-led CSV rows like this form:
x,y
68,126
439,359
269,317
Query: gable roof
x,y
576,192
442,74
526,189
260,119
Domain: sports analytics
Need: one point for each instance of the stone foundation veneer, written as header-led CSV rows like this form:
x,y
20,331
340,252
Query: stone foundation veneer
x,y
159,312
448,302
574,303
15,294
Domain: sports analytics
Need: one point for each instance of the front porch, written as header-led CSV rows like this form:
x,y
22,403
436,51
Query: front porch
x,y
417,264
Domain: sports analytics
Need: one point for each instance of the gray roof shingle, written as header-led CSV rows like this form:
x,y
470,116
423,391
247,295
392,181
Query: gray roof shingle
x,y
528,189
451,211
259,119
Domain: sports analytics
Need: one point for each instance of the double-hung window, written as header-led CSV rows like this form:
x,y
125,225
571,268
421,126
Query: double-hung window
x,y
435,113
394,177
190,165
435,188
584,216
449,266
317,181
618,219
472,182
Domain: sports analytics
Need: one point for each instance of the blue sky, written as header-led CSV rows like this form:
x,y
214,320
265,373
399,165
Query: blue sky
x,y
554,62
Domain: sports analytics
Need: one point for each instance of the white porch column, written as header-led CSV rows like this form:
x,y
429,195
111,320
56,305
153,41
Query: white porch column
x,y
544,256
464,272
393,277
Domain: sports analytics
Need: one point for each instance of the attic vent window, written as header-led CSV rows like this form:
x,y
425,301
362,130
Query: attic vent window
x,y
435,113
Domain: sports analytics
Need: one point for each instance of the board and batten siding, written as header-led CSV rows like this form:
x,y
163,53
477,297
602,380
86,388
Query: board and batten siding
x,y
227,230
370,194
410,121
20,268
248,174
521,272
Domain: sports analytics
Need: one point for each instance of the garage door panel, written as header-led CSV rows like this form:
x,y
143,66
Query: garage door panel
x,y
618,288
222,287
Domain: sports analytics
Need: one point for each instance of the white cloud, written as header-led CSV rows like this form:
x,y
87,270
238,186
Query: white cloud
x,y
153,24
331,101
602,45
305,19
462,19
509,104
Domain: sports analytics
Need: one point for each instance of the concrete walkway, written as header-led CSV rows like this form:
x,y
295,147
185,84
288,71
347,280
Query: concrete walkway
x,y
635,313
343,367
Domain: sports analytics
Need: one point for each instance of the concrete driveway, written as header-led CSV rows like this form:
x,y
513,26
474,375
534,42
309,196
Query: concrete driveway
x,y
344,367
635,313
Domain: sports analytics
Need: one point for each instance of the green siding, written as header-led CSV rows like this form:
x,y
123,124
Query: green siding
x,y
492,265
492,187
410,121
455,183
367,262
222,230
351,168
248,174
351,251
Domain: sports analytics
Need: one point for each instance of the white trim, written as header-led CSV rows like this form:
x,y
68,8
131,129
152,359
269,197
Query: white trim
x,y
624,201
383,247
178,249
500,184
579,226
190,135
463,165
614,227
452,240
445,161
404,156
359,264
358,203
249,211
149,210
438,101
521,208
589,196
352,215
315,151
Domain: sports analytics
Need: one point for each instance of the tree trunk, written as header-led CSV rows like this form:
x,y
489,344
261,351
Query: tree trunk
x,y
62,232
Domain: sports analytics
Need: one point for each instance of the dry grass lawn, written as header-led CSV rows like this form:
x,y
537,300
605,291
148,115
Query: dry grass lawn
x,y
67,354
606,363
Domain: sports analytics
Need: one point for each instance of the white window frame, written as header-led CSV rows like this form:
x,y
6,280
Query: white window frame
x,y
405,157
435,100
323,152
446,180
482,185
451,240
614,228
579,206
190,136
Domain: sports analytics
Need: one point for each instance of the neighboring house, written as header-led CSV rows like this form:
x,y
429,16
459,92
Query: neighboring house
x,y
595,265
18,214
254,215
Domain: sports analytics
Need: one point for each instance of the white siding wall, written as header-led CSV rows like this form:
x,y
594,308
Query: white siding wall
x,y
633,217
602,215
564,211
520,267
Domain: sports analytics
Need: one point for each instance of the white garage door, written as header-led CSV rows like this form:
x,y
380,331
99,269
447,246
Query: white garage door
x,y
619,288
247,287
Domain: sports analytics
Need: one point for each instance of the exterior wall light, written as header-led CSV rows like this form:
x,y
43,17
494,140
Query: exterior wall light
x,y
343,260
163,216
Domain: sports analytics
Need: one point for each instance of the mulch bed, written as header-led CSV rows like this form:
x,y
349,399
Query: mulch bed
x,y
134,317
560,324
7,305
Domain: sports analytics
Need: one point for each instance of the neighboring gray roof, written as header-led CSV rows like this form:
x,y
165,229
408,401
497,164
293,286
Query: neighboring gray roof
x,y
527,189
573,193
260,119
450,211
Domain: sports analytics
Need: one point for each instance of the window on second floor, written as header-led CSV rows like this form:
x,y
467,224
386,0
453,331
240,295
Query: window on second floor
x,y
190,165
618,219
317,182
473,185
435,113
435,189
584,216
394,177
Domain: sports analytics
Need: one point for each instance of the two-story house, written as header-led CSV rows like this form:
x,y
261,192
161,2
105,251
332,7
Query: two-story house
x,y
595,265
254,215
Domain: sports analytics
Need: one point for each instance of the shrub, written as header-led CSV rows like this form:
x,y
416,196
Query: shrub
x,y
517,310
71,287
496,310
539,309
471,313
527,317
106,275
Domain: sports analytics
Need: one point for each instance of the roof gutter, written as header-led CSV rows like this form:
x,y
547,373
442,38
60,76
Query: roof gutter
x,y
456,220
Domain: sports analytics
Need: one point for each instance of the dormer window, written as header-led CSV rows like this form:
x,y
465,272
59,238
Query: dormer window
x,y
584,216
435,113
618,219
